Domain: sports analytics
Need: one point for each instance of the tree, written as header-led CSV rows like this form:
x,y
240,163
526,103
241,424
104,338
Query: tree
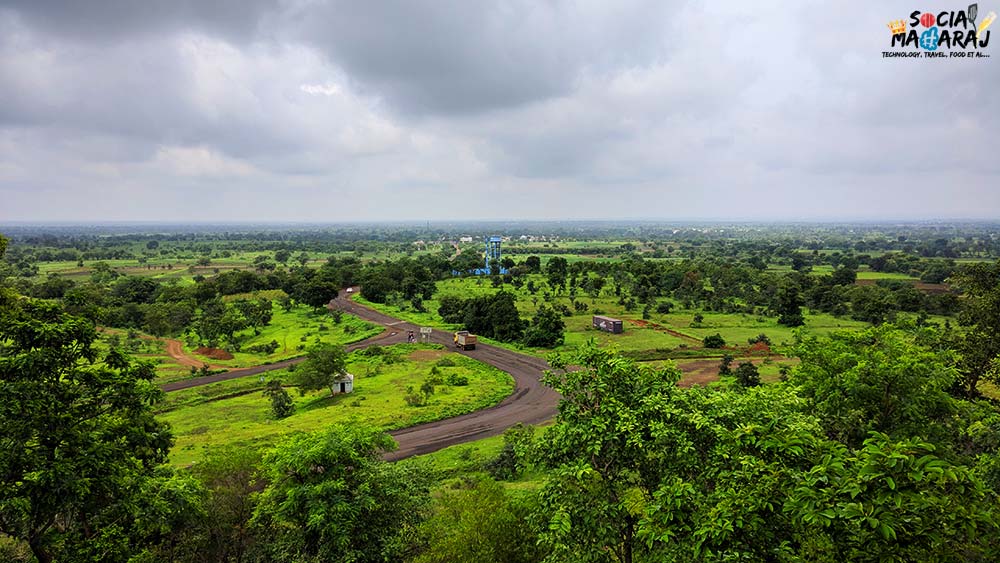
x,y
325,365
724,365
747,375
713,341
330,497
557,269
481,524
788,304
533,264
877,380
282,405
546,329
232,477
81,437
980,314
588,502
892,501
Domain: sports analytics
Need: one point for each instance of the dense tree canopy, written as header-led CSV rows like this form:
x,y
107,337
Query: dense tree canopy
x,y
331,498
80,438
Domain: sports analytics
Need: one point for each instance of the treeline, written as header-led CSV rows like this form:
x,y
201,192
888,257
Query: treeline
x,y
206,310
496,316
735,287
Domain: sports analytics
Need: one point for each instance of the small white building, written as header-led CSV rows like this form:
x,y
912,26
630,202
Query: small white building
x,y
465,239
344,384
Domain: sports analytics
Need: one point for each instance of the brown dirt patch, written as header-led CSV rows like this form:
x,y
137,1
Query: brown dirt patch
x,y
426,355
698,372
703,372
213,353
922,286
759,349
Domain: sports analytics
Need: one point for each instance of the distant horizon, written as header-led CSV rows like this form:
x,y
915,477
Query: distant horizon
x,y
472,221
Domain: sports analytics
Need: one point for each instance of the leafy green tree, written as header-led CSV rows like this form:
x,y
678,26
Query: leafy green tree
x,y
231,476
980,315
725,363
556,271
877,380
330,497
872,303
533,264
589,502
481,524
892,501
788,304
747,375
282,405
546,329
325,365
81,438
713,341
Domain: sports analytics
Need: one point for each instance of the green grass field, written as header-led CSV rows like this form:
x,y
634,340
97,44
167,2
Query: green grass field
x,y
294,331
236,412
677,329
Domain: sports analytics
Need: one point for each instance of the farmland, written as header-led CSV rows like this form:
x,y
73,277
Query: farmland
x,y
235,412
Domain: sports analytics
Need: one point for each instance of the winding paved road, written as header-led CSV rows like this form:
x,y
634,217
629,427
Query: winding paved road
x,y
530,403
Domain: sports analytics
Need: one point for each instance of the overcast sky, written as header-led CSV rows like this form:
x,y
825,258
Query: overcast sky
x,y
316,110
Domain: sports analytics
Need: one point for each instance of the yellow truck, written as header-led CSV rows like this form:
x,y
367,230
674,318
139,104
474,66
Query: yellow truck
x,y
464,340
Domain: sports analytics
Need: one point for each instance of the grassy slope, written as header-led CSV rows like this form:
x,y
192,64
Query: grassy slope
x,y
294,331
236,412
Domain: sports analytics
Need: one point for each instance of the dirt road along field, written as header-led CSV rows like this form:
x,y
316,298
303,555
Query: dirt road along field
x,y
530,403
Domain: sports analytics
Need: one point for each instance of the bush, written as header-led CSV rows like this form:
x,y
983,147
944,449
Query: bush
x,y
414,399
713,341
759,338
664,308
457,380
281,404
266,349
747,375
446,363
724,368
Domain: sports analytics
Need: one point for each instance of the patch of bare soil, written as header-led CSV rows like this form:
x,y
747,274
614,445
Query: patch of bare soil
x,y
213,353
426,355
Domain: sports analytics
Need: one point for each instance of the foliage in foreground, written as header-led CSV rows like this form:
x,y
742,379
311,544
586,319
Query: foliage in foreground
x,y
645,471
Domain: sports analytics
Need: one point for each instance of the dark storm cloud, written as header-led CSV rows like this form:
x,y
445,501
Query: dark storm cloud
x,y
466,57
111,20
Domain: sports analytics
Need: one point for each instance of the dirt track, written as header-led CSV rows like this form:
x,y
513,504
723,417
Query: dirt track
x,y
530,403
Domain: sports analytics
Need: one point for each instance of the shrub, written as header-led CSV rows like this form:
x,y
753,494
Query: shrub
x,y
747,375
457,380
267,349
281,404
724,368
713,341
445,362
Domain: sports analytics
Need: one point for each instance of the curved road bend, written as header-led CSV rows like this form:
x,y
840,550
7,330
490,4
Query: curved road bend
x,y
530,403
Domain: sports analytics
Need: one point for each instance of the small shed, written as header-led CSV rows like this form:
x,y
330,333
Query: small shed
x,y
607,324
344,384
